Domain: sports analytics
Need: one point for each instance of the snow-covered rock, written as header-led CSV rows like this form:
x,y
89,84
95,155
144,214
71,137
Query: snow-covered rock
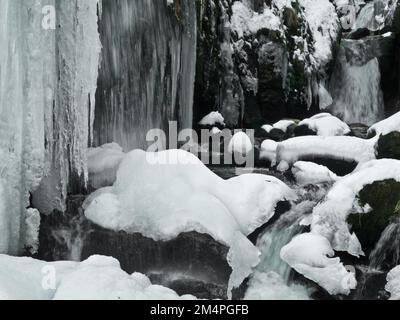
x,y
97,278
329,218
161,195
393,283
386,126
311,255
324,124
103,163
344,148
212,119
268,151
310,173
284,124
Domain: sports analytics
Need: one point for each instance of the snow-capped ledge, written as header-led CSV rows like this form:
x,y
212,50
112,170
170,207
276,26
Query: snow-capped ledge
x,y
393,283
162,195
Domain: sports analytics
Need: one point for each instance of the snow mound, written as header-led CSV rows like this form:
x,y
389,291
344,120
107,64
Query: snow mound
x,y
161,195
311,255
324,124
310,173
103,163
240,143
97,278
329,217
393,283
212,119
341,148
268,150
270,286
386,126
267,128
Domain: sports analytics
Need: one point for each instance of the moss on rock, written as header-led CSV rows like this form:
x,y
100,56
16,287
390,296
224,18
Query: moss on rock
x,y
384,199
388,146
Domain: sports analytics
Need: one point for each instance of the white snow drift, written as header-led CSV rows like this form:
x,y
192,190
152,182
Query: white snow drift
x,y
161,195
97,278
310,173
386,126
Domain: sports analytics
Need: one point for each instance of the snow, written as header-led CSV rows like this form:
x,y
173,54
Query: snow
x,y
97,278
270,286
393,283
307,173
268,150
386,126
212,119
329,217
161,195
247,22
267,128
324,124
324,24
283,124
103,163
341,148
240,143
311,255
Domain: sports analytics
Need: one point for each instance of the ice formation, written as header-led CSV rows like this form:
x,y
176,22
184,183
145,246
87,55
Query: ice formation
x,y
46,106
393,283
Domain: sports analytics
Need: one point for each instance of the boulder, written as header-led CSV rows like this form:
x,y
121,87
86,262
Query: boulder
x,y
383,198
389,146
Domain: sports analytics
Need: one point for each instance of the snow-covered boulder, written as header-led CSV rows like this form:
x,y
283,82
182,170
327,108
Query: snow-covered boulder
x,y
97,278
161,195
386,126
268,151
330,217
307,173
340,154
393,283
213,119
240,143
325,124
312,256
103,164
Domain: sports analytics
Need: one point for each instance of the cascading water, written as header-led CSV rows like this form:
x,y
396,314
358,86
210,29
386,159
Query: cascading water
x,y
147,70
356,88
375,15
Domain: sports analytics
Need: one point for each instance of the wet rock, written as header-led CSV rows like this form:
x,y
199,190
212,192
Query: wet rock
x,y
303,130
359,34
389,146
359,130
382,197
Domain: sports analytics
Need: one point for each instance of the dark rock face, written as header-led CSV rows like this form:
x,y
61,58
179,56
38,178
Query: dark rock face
x,y
192,263
382,197
389,146
359,130
359,34
304,130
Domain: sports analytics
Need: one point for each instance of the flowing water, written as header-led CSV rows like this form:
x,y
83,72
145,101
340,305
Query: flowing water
x,y
147,69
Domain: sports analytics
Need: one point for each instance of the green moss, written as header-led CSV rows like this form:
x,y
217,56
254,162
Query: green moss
x,y
384,199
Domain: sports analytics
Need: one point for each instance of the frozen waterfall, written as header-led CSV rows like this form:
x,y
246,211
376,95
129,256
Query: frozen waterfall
x,y
47,85
147,69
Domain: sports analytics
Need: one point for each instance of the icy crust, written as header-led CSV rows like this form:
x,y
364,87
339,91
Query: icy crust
x,y
311,255
161,195
307,173
329,217
393,283
386,126
103,163
97,278
341,148
271,286
324,124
